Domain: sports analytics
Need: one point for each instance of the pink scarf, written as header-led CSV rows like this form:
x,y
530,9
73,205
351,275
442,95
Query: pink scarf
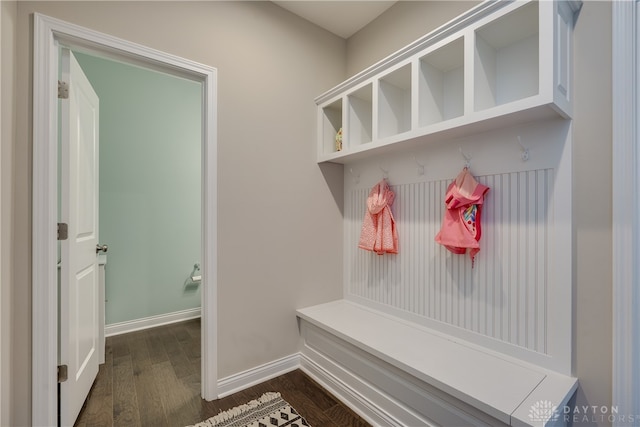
x,y
461,228
379,232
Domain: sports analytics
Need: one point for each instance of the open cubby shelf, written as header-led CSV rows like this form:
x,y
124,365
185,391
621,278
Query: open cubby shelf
x,y
506,58
501,63
394,102
441,84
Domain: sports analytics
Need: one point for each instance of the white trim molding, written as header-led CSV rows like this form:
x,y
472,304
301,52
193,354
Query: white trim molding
x,y
259,374
150,322
49,34
357,394
626,201
338,381
2,337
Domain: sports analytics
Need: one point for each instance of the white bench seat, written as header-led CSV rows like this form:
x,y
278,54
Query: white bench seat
x,y
497,385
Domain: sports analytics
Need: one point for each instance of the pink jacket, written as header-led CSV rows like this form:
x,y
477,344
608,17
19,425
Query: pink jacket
x,y
461,229
379,232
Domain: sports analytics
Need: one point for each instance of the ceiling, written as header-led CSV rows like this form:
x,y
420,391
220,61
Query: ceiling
x,y
343,18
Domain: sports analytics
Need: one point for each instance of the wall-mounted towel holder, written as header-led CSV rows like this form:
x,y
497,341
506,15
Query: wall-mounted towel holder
x,y
196,277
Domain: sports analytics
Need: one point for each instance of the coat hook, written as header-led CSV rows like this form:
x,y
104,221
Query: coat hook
x,y
356,176
525,150
467,158
385,173
420,165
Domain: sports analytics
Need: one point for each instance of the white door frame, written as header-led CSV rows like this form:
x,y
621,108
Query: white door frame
x,y
49,33
626,201
2,338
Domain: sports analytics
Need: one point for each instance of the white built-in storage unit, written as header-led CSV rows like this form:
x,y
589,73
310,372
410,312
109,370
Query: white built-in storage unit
x,y
426,337
502,64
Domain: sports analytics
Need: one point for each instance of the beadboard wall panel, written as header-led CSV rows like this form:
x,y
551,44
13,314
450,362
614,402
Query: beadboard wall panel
x,y
502,296
506,297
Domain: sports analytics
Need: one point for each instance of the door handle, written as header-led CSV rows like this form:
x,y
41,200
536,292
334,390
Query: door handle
x,y
101,248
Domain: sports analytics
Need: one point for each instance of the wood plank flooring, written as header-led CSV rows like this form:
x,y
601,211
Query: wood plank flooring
x,y
152,378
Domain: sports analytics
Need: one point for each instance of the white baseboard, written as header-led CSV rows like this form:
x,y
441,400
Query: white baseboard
x,y
150,322
250,377
350,397
369,402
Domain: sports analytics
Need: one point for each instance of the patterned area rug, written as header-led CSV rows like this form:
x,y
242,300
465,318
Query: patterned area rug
x,y
269,410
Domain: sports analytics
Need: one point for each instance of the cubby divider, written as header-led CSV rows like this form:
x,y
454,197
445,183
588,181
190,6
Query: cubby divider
x,y
360,116
331,125
394,108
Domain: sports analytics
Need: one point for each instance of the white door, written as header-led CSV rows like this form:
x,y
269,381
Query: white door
x,y
79,268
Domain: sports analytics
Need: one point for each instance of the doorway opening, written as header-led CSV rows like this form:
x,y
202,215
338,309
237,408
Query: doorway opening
x,y
49,35
146,210
150,193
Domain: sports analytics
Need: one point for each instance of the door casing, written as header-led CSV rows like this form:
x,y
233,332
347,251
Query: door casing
x,y
49,34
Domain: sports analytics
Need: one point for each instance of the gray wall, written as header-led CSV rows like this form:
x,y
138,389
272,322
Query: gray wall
x,y
279,224
401,24
287,253
150,154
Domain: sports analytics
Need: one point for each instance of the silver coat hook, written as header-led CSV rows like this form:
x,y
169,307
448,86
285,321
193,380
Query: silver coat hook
x,y
525,150
356,176
385,173
420,165
467,158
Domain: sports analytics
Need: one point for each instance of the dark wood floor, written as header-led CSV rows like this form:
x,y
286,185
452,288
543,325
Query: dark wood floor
x,y
152,378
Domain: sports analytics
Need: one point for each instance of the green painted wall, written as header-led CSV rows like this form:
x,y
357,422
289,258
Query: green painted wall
x,y
150,160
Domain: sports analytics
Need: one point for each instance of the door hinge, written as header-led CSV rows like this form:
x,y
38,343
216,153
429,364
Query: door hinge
x,y
62,373
63,90
63,231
